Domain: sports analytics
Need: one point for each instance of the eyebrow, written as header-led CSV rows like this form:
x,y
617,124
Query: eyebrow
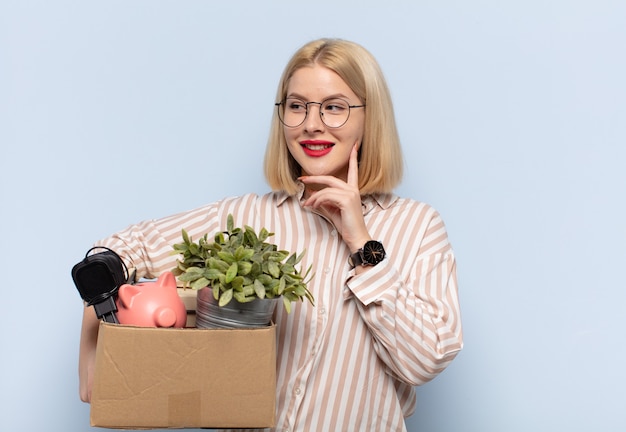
x,y
333,96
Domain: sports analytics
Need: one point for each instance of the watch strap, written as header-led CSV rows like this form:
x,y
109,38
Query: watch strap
x,y
356,259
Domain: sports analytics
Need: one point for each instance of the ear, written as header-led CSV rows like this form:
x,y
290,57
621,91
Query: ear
x,y
126,295
167,280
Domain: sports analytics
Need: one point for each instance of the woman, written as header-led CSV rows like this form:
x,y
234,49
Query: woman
x,y
387,315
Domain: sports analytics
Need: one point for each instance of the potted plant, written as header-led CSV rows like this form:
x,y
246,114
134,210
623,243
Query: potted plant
x,y
240,276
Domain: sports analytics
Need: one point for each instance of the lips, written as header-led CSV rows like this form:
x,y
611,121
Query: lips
x,y
316,148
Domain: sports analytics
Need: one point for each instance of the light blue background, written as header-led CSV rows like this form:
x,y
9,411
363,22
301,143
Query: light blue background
x,y
513,121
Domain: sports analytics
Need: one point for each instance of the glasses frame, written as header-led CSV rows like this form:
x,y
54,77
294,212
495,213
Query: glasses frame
x,y
306,114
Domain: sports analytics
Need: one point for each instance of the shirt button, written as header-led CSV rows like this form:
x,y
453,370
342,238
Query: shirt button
x,y
327,270
333,233
322,310
298,391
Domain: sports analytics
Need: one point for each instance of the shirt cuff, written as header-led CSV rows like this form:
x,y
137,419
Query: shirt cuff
x,y
371,285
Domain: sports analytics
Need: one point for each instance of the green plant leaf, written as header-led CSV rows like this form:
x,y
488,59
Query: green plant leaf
x,y
273,286
281,286
180,248
310,297
307,273
219,238
244,267
200,283
226,297
211,274
263,234
300,257
237,283
190,277
264,279
231,273
192,270
287,304
273,269
218,264
226,256
230,223
251,236
248,290
248,254
259,289
238,253
299,290
288,269
256,269
186,237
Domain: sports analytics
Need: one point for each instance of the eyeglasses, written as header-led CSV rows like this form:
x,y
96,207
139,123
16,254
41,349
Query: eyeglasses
x,y
334,113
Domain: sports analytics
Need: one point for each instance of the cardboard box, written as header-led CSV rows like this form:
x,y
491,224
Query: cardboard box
x,y
184,378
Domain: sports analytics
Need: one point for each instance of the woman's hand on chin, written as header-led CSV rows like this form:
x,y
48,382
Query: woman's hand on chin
x,y
340,201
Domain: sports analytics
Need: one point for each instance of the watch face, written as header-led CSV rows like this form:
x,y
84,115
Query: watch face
x,y
373,252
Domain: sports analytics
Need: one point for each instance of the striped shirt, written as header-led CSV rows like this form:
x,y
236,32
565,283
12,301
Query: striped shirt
x,y
349,363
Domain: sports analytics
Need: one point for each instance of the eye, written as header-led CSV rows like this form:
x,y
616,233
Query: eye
x,y
335,106
295,105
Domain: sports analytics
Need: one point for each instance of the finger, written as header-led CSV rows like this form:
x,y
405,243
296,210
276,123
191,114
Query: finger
x,y
319,198
326,197
353,168
328,181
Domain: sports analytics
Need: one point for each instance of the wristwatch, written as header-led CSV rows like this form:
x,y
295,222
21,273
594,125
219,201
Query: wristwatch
x,y
370,254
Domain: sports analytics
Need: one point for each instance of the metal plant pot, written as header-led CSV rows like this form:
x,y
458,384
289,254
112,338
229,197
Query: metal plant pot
x,y
209,314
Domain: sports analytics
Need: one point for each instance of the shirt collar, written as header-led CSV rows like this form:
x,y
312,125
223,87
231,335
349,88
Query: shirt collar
x,y
369,202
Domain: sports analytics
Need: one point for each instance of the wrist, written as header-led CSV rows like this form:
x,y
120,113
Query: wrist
x,y
355,246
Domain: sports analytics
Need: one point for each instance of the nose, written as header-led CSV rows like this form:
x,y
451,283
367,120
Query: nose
x,y
313,121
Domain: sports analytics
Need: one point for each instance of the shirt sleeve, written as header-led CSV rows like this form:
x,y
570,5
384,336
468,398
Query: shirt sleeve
x,y
148,246
414,316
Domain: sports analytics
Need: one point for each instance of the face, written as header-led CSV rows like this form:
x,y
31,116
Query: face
x,y
318,149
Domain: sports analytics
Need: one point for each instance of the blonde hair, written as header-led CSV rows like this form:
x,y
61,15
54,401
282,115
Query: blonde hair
x,y
380,155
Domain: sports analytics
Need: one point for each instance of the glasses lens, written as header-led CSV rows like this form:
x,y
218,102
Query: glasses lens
x,y
335,112
292,112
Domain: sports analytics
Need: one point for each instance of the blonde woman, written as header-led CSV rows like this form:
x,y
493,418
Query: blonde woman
x,y
387,315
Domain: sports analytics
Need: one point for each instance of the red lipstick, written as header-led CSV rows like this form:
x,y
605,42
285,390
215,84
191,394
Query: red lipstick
x,y
316,148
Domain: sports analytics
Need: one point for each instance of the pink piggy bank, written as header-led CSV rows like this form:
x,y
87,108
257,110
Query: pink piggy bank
x,y
152,304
